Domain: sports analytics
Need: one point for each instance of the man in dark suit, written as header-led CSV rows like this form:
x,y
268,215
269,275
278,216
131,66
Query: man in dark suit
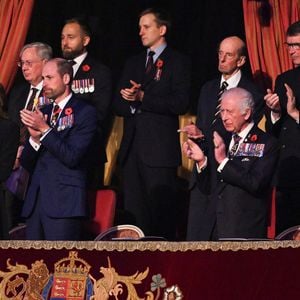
x,y
152,93
283,122
32,57
60,136
231,57
25,94
92,83
239,199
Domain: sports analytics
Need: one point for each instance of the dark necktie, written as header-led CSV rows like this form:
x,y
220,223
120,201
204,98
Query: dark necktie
x,y
72,62
220,93
55,114
30,106
233,149
150,63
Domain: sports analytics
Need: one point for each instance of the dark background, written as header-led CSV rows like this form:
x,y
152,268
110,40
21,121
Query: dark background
x,y
198,27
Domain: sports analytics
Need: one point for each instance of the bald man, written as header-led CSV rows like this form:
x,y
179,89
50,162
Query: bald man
x,y
231,59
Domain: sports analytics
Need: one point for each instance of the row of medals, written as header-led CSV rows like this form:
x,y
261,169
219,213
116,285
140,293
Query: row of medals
x,y
82,86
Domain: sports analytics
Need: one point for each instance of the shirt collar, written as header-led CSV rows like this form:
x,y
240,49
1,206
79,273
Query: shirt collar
x,y
38,86
79,59
158,51
232,81
64,101
245,131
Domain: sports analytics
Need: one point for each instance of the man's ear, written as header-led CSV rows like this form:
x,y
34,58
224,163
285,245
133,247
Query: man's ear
x,y
66,79
247,115
163,30
86,40
241,61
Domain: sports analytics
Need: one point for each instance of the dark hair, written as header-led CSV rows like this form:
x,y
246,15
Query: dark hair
x,y
63,67
82,22
3,114
162,17
293,29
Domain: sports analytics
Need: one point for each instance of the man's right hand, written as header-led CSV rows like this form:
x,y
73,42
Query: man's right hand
x,y
192,131
272,101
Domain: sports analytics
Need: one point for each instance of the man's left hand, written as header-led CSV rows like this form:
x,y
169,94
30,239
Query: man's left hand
x,y
220,149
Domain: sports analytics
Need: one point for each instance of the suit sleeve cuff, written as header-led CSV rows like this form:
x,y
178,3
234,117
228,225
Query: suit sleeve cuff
x,y
202,167
222,164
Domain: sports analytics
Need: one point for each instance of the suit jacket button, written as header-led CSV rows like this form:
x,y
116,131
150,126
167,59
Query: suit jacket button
x,y
283,128
283,146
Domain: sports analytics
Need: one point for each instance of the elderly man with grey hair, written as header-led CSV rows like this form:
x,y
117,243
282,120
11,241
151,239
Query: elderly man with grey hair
x,y
239,200
25,94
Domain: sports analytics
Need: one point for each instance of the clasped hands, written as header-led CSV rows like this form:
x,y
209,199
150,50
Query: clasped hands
x,y
134,93
35,122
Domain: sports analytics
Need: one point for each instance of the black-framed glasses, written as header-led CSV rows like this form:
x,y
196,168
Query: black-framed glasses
x,y
28,63
294,46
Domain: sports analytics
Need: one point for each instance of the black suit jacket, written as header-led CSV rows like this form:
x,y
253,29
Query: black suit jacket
x,y
239,201
288,132
205,114
99,95
154,121
17,99
9,141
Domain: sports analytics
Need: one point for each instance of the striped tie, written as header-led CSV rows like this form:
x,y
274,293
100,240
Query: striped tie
x,y
220,93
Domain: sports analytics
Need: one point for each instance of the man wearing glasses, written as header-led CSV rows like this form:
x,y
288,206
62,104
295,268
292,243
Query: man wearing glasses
x,y
26,94
283,122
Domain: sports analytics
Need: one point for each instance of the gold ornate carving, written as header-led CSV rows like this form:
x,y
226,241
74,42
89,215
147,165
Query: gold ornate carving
x,y
151,246
111,284
22,283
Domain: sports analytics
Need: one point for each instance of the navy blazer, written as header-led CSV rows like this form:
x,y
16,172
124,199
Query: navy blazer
x,y
239,202
58,169
154,121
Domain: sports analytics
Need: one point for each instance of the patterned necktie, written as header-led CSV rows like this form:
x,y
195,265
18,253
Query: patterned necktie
x,y
233,149
55,114
220,93
150,62
30,106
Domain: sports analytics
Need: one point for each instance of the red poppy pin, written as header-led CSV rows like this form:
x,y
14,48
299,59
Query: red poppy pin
x,y
159,63
86,68
253,138
68,111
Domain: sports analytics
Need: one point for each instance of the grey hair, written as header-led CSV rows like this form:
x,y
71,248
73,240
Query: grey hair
x,y
246,99
44,51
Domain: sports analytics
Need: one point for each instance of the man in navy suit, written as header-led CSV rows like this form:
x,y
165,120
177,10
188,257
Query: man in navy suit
x,y
231,59
239,198
283,122
91,83
55,156
152,93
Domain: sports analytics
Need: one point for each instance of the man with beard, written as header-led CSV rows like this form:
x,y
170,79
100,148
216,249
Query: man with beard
x,y
92,83
60,136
